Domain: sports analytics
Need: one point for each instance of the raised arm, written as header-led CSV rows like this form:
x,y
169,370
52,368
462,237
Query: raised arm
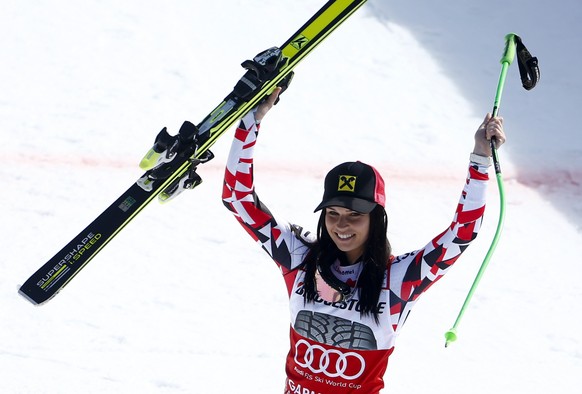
x,y
278,238
417,271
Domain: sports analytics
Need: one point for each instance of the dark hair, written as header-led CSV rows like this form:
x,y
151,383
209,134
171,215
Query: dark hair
x,y
375,259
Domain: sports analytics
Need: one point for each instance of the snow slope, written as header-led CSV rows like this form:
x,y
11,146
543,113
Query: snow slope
x,y
546,149
182,301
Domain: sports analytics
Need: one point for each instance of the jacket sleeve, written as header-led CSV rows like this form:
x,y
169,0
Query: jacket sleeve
x,y
284,242
413,273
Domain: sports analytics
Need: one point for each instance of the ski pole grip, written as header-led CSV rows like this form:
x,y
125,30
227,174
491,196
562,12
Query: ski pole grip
x,y
509,52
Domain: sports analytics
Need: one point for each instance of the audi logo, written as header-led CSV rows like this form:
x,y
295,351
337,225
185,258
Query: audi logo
x,y
331,362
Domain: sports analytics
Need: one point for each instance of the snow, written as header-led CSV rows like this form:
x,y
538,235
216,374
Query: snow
x,y
182,301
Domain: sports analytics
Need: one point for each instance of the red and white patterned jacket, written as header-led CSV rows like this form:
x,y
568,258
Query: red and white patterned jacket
x,y
333,349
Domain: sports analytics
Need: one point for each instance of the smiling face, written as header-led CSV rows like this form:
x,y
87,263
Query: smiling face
x,y
348,229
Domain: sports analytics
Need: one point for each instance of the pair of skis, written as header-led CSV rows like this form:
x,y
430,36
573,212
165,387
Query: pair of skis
x,y
171,165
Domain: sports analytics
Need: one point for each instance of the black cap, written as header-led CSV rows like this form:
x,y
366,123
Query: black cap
x,y
353,185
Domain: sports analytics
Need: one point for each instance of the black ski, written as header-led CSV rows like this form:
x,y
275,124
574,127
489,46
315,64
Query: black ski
x,y
172,162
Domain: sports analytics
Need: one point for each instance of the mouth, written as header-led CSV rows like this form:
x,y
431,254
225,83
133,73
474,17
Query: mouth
x,y
344,236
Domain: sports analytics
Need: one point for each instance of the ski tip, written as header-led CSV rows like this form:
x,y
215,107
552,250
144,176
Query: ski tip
x,y
34,297
26,296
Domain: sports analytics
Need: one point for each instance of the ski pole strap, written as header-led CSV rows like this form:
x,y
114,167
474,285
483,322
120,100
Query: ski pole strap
x,y
528,65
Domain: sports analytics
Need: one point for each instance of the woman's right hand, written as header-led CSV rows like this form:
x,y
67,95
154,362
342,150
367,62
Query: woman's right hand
x,y
266,105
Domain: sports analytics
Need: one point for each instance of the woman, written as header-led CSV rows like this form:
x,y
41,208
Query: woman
x,y
349,296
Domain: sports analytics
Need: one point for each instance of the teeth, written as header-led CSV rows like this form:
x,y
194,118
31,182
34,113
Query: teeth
x,y
344,236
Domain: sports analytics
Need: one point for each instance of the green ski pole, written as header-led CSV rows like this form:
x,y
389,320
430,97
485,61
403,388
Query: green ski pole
x,y
529,72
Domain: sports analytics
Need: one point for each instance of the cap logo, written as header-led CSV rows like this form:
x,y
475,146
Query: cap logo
x,y
347,183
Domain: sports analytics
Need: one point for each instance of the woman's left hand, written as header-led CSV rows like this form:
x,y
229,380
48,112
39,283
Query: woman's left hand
x,y
492,127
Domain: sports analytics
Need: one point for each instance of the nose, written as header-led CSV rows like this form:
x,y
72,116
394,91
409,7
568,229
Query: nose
x,y
342,222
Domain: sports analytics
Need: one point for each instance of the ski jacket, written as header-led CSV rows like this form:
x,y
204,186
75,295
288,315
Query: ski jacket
x,y
333,349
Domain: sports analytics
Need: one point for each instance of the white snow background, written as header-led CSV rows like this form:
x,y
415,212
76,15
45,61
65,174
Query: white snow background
x,y
182,301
